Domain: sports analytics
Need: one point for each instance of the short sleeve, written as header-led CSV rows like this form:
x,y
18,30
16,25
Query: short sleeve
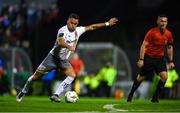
x,y
170,39
148,36
80,30
61,33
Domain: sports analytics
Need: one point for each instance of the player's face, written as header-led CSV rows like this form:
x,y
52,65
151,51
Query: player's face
x,y
162,22
72,24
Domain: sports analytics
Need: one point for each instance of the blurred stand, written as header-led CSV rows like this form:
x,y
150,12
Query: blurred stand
x,y
4,87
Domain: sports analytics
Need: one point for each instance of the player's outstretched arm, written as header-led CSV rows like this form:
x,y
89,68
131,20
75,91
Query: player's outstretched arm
x,y
111,22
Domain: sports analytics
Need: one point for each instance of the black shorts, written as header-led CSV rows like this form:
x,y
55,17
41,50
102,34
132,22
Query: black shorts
x,y
51,62
152,65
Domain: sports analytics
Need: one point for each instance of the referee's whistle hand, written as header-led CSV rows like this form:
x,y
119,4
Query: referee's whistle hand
x,y
171,65
140,63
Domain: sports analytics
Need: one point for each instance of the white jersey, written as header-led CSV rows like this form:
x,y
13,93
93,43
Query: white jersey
x,y
69,37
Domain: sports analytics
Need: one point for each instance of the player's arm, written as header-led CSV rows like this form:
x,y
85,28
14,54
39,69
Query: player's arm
x,y
111,22
170,55
170,52
62,43
140,62
142,50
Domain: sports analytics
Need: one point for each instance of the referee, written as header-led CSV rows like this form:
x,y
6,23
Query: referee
x,y
152,56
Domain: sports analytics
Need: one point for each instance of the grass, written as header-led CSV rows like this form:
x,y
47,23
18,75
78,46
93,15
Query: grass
x,y
85,104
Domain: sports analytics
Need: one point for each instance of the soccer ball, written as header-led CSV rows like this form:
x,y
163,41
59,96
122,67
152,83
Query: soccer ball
x,y
71,97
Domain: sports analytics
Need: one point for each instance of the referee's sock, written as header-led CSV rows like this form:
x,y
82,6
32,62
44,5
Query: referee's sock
x,y
133,89
159,88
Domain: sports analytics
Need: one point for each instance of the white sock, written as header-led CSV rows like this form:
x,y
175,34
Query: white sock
x,y
27,85
63,85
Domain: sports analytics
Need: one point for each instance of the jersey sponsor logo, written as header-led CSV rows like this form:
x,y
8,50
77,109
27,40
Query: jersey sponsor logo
x,y
61,35
69,41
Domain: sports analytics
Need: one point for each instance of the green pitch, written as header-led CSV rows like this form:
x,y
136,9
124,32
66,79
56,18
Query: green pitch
x,y
88,104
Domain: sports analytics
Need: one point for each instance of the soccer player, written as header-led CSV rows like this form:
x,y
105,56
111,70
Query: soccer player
x,y
67,38
152,56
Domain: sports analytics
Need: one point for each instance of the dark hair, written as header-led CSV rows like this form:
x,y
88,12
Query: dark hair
x,y
73,15
162,15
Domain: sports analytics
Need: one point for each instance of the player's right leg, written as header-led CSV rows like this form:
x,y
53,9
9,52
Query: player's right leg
x,y
64,84
25,89
136,84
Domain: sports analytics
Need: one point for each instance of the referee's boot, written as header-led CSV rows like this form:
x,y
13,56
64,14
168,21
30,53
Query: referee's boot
x,y
55,98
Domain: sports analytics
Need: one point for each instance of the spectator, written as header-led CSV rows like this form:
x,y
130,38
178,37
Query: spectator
x,y
106,76
4,89
91,83
170,88
77,64
53,12
2,71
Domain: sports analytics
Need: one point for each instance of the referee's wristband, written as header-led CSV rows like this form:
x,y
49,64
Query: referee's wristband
x,y
141,59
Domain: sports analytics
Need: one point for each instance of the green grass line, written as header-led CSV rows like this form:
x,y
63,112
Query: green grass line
x,y
85,104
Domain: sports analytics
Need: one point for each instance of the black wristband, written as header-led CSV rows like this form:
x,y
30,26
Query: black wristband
x,y
141,59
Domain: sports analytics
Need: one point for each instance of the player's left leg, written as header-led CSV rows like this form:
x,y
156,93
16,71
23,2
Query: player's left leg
x,y
64,84
37,75
47,65
160,86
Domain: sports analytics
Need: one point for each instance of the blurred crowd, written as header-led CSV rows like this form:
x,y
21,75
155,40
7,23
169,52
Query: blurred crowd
x,y
18,22
18,28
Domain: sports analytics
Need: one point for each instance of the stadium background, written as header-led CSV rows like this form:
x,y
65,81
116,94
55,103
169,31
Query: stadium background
x,y
135,18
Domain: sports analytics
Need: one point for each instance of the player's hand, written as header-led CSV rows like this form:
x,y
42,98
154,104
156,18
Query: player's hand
x,y
112,21
171,65
140,63
71,48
